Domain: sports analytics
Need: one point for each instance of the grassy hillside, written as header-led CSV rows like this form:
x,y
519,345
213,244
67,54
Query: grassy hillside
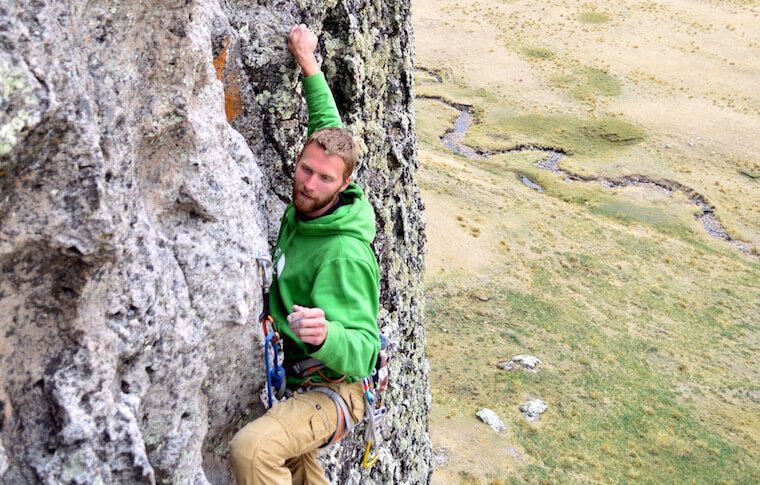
x,y
649,327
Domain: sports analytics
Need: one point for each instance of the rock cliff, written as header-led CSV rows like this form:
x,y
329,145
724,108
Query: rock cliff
x,y
146,151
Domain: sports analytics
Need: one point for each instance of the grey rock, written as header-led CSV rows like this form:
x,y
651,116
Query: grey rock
x,y
138,178
533,409
491,419
440,456
3,461
524,362
512,451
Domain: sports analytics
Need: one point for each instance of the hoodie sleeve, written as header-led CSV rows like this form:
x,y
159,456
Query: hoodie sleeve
x,y
323,111
346,289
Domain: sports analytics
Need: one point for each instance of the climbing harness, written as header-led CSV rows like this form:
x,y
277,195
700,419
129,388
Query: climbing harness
x,y
345,422
275,372
374,410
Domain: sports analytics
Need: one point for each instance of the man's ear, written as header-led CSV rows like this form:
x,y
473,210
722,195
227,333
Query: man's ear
x,y
345,184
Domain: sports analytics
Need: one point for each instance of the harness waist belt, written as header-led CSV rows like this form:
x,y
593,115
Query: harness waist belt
x,y
305,368
345,421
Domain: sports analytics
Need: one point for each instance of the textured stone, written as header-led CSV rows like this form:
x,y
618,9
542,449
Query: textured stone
x,y
491,419
533,409
440,456
512,451
524,362
135,189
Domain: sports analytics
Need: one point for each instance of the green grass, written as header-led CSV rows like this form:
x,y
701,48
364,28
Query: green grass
x,y
594,17
432,119
615,411
538,52
588,83
657,217
583,137
648,328
596,82
498,125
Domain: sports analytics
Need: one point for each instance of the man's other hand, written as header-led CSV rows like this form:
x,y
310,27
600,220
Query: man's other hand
x,y
301,43
308,324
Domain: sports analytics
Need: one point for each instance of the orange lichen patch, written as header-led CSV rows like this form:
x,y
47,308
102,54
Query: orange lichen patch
x,y
221,59
233,105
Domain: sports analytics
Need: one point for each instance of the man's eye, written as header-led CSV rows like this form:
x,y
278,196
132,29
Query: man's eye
x,y
306,170
325,178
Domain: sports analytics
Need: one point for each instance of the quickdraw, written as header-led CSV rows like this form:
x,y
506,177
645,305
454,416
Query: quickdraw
x,y
275,372
365,463
372,418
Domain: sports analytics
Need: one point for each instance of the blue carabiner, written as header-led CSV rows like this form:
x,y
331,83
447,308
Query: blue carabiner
x,y
275,372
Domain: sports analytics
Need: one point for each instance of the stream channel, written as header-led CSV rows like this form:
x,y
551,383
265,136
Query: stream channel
x,y
453,139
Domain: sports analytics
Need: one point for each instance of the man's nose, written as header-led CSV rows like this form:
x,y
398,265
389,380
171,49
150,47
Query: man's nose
x,y
310,183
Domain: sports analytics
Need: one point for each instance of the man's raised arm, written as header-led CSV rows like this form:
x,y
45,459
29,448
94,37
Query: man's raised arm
x,y
322,109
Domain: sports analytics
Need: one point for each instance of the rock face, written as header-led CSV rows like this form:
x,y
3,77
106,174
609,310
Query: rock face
x,y
146,150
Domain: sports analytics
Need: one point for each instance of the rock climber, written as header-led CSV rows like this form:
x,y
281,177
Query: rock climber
x,y
323,298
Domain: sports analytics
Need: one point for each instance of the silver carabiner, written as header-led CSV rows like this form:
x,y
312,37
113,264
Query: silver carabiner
x,y
266,266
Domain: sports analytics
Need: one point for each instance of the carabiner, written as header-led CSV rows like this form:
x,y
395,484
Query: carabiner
x,y
275,372
264,320
366,454
265,265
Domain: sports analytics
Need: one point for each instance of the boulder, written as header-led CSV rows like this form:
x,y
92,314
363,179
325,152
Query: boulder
x,y
524,362
533,409
491,419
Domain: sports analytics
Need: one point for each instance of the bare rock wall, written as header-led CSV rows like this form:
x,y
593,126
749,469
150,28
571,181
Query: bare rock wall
x,y
146,150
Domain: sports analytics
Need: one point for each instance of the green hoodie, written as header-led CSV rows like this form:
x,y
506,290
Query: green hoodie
x,y
327,263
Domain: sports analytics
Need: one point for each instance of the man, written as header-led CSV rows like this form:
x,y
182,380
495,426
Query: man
x,y
324,298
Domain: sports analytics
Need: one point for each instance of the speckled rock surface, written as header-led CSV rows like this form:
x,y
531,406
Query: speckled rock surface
x,y
533,409
146,151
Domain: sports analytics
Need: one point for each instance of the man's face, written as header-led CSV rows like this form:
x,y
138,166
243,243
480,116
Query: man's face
x,y
318,181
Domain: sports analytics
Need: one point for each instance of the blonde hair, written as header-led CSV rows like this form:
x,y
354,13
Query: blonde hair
x,y
336,141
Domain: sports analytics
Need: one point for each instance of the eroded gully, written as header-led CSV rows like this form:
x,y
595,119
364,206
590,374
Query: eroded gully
x,y
453,139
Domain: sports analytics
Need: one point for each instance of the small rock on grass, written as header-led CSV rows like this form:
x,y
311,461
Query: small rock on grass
x,y
491,419
440,456
533,409
512,451
525,362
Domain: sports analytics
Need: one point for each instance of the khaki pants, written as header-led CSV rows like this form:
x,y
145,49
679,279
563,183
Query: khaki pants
x,y
281,446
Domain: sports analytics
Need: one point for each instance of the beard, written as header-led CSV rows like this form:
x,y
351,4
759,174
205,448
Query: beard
x,y
307,206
